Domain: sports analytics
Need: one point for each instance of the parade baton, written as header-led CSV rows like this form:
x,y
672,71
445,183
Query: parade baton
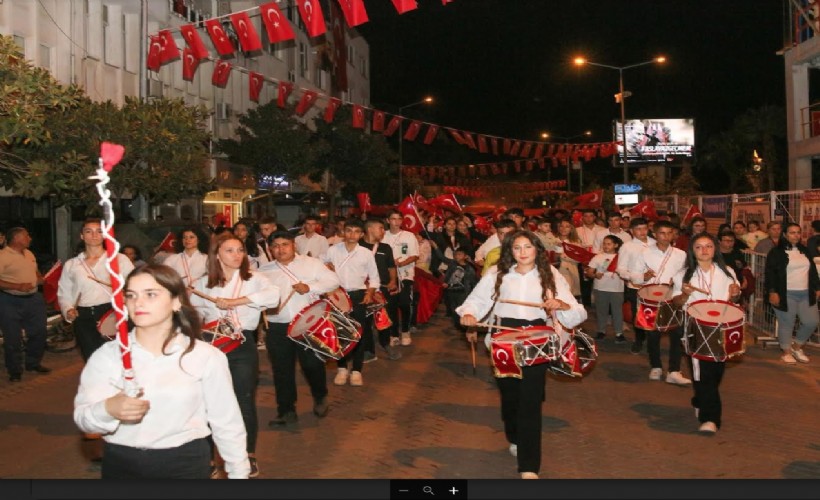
x,y
110,156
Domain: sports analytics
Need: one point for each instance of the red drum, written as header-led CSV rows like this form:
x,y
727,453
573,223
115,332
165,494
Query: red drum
x,y
714,330
107,325
340,300
222,334
379,303
655,309
577,355
324,330
532,345
348,331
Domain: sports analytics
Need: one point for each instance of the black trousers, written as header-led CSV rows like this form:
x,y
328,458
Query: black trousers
x,y
400,308
631,295
244,365
17,314
706,378
188,461
85,329
521,401
586,287
653,347
359,313
283,352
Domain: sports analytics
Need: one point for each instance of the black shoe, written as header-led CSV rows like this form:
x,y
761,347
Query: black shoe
x,y
320,408
289,417
600,336
15,377
636,348
620,339
38,369
254,467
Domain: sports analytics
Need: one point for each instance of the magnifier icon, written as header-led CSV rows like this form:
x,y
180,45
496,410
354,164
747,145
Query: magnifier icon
x,y
428,489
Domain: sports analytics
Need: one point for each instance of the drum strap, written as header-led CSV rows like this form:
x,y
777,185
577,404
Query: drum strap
x,y
348,258
187,268
665,260
704,284
91,275
237,325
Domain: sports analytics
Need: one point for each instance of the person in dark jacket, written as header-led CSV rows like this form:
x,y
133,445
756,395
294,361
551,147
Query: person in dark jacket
x,y
448,240
793,286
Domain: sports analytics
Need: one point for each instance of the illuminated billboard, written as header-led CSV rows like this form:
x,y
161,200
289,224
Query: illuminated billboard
x,y
656,140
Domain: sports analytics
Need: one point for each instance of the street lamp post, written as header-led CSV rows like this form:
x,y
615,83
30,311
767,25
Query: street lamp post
x,y
621,97
547,135
426,100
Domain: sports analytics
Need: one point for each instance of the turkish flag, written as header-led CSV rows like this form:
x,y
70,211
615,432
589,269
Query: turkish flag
x,y
378,120
429,292
412,131
445,2
411,220
578,253
456,136
170,51
645,209
312,16
613,266
403,6
494,143
446,201
358,116
194,41
354,12
246,31
430,136
482,144
285,88
167,244
515,147
330,111
222,44
255,82
50,284
468,140
592,199
693,211
154,49
222,71
364,202
525,151
306,102
507,145
393,126
539,151
189,64
277,27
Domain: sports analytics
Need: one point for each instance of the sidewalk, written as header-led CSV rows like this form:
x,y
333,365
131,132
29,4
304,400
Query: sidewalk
x,y
428,416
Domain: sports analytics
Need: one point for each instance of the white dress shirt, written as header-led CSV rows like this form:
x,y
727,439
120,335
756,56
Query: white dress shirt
x,y
624,236
665,265
191,397
353,268
590,237
717,283
259,290
76,288
308,270
525,288
316,245
404,245
610,281
189,267
629,259
489,244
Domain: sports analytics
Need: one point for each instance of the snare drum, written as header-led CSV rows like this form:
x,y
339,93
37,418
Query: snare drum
x,y
532,345
714,330
107,325
379,303
340,300
650,299
577,355
313,329
221,334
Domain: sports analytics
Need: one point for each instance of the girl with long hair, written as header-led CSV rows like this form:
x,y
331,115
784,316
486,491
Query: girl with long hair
x,y
238,296
245,232
568,267
191,259
162,433
523,274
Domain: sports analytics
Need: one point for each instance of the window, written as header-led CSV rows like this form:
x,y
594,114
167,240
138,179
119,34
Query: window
x,y
21,44
363,66
303,60
45,57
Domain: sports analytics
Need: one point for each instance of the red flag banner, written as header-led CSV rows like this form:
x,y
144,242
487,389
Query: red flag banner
x,y
154,49
246,32
194,41
285,88
312,16
378,120
277,27
189,64
515,147
693,211
507,146
354,12
358,116
429,293
170,51
412,131
364,202
306,102
468,140
222,71
613,266
494,143
645,209
578,253
411,221
456,136
330,110
446,202
403,6
255,82
592,199
525,151
51,281
167,244
220,39
430,136
393,126
539,151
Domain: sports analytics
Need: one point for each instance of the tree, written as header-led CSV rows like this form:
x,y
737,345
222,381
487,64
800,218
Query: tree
x,y
686,184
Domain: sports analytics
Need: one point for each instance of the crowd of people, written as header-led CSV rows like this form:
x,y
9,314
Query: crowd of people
x,y
254,280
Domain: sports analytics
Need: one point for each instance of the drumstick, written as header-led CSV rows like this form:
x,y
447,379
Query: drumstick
x,y
704,292
204,296
472,351
521,303
499,327
285,302
101,282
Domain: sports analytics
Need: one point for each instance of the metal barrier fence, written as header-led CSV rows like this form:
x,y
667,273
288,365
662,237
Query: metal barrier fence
x,y
783,205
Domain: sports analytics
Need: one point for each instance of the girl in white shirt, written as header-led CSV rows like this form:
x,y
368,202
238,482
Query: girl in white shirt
x,y
185,391
241,295
608,288
191,261
522,274
705,271
568,267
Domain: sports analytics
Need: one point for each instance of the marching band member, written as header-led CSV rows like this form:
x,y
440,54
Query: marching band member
x,y
388,286
162,432
608,287
568,268
191,259
243,230
405,253
658,264
628,258
523,274
590,235
240,295
84,289
311,243
300,279
705,271
354,265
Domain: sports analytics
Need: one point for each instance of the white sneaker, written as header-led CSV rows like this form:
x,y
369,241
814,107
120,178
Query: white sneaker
x,y
395,341
514,450
677,378
708,427
788,358
800,356
356,378
405,338
655,373
341,376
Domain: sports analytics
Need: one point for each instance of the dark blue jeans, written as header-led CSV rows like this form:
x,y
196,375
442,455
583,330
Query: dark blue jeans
x,y
244,365
23,313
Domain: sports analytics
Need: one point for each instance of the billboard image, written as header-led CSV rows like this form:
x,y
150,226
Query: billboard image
x,y
656,140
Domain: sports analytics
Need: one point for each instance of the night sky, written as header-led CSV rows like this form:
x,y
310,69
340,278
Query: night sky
x,y
504,67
